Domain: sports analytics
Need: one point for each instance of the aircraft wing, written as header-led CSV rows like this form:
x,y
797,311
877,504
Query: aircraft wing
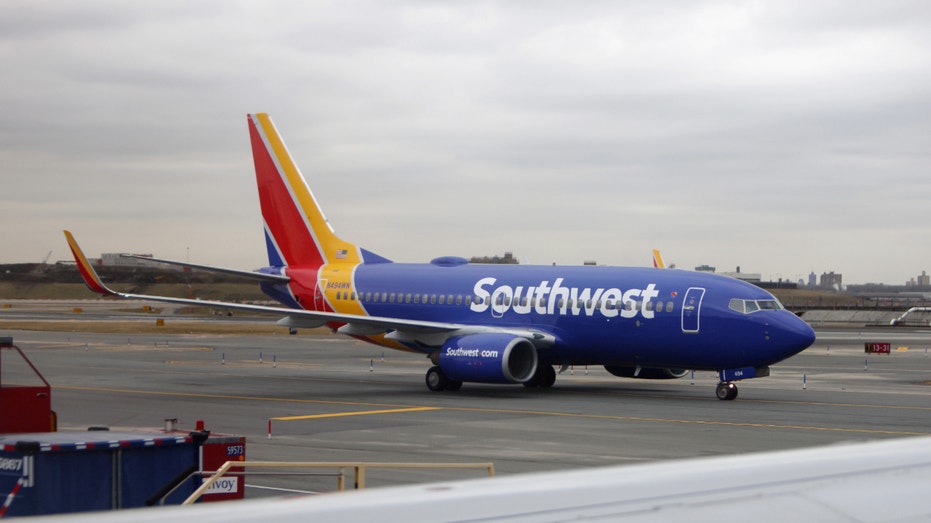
x,y
428,333
261,276
886,480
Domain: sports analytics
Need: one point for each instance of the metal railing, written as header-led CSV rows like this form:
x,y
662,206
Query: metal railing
x,y
359,470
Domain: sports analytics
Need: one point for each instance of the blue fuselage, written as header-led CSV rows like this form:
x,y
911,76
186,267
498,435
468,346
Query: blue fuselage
x,y
598,315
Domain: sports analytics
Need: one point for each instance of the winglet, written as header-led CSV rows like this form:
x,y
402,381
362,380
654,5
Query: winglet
x,y
87,270
658,260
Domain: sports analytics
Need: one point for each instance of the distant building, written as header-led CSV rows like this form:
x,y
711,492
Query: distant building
x,y
812,279
924,280
507,259
752,277
831,280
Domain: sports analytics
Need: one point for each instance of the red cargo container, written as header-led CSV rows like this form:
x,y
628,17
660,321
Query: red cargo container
x,y
25,396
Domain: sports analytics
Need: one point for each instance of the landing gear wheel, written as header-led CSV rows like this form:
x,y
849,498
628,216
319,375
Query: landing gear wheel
x,y
726,391
544,377
548,376
436,380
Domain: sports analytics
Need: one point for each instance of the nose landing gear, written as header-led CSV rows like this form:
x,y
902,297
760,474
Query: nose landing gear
x,y
726,391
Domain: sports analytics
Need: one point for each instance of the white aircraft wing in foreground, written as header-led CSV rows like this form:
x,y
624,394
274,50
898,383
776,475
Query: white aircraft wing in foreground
x,y
887,480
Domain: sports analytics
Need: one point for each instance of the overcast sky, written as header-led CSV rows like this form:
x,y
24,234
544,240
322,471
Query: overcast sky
x,y
784,137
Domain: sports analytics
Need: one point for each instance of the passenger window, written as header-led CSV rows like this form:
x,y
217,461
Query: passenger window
x,y
458,299
669,306
432,299
368,296
442,299
353,295
407,298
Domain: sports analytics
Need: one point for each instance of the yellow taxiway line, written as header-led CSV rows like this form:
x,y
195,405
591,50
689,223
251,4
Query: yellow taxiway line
x,y
361,413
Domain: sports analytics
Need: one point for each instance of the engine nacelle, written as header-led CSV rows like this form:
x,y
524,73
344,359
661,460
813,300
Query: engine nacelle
x,y
488,358
646,373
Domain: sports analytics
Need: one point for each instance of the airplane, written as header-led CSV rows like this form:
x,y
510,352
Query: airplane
x,y
499,324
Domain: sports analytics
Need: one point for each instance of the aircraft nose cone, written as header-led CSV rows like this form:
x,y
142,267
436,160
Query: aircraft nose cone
x,y
792,335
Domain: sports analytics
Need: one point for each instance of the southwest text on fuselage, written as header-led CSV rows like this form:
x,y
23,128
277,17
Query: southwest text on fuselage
x,y
556,299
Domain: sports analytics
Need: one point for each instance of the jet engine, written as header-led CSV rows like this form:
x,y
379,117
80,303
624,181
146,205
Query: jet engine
x,y
488,358
646,373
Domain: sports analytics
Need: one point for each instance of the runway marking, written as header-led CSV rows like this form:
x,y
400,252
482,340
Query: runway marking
x,y
525,412
363,413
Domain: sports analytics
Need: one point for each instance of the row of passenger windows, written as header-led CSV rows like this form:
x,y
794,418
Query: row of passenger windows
x,y
385,297
501,300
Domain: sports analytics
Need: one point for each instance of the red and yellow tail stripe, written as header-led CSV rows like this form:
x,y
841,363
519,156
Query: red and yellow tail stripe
x,y
87,270
658,260
298,232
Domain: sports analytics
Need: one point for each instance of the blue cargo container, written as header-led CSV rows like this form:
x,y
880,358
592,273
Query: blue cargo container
x,y
59,472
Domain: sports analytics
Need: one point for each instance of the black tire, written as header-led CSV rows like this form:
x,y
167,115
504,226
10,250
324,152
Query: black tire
x,y
436,380
726,391
732,394
544,377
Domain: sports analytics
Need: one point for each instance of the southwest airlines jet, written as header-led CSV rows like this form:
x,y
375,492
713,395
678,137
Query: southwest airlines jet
x,y
503,324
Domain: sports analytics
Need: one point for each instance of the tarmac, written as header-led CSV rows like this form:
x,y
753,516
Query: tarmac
x,y
332,398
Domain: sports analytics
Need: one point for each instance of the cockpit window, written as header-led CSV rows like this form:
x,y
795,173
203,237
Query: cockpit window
x,y
750,306
772,305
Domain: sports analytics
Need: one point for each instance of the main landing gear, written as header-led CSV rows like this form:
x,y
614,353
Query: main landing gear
x,y
726,391
544,377
437,380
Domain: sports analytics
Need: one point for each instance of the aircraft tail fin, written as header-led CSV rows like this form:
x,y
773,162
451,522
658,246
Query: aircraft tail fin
x,y
658,260
296,231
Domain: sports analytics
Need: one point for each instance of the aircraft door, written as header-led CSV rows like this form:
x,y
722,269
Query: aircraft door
x,y
691,307
319,297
